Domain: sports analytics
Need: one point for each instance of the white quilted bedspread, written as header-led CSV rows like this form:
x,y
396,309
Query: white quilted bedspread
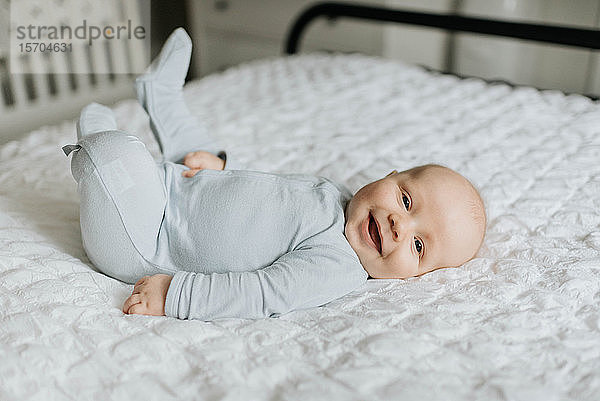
x,y
519,322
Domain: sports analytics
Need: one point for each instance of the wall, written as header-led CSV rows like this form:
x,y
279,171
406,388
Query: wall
x,y
228,32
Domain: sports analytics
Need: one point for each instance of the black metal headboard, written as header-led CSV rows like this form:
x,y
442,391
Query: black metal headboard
x,y
560,35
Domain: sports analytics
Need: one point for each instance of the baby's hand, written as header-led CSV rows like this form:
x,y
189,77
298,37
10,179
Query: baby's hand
x,y
200,160
148,296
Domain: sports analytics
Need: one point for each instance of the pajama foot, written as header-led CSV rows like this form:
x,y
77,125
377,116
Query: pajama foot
x,y
95,118
169,69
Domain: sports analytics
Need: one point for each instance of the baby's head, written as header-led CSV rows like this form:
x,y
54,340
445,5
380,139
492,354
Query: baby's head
x,y
415,221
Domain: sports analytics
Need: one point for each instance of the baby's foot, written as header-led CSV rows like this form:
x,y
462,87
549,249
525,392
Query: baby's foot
x,y
160,92
95,118
169,68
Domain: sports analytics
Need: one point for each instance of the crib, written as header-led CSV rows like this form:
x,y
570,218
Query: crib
x,y
48,87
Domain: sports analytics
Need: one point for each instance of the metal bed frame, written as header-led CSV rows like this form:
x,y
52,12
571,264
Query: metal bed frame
x,y
554,34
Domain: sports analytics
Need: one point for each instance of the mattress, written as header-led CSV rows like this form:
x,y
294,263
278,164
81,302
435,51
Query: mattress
x,y
521,321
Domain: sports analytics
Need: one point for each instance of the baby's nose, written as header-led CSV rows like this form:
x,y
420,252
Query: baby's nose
x,y
397,226
400,226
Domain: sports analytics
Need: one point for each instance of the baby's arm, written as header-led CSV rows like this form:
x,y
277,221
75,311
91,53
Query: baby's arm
x,y
303,278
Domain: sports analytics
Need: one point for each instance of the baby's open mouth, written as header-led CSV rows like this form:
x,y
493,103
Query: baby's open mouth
x,y
374,232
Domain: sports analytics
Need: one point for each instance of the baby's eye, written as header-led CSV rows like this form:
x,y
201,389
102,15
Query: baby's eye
x,y
418,245
406,201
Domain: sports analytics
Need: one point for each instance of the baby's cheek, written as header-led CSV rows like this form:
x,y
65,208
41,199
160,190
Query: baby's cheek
x,y
401,266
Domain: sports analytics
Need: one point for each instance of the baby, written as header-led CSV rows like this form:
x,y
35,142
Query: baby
x,y
202,238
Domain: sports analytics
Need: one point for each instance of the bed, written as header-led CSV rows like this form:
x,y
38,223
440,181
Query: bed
x,y
521,321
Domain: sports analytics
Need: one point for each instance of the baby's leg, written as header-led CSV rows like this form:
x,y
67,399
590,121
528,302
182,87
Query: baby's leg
x,y
160,92
122,197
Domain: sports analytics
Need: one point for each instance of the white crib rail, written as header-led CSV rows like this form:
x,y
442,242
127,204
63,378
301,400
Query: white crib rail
x,y
46,95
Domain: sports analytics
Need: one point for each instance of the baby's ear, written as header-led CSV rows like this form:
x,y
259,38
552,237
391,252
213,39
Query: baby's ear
x,y
392,172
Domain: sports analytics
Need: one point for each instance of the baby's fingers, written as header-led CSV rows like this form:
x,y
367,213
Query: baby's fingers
x,y
141,281
139,309
134,299
190,173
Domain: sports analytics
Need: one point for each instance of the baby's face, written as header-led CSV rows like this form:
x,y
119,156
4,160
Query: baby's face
x,y
415,221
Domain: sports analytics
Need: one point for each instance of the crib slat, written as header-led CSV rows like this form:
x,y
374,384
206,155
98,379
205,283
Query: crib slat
x,y
19,90
60,66
40,78
4,79
99,58
79,59
82,70
100,65
135,47
119,56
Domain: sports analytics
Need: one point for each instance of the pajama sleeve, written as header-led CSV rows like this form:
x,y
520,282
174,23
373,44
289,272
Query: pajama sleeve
x,y
229,163
303,278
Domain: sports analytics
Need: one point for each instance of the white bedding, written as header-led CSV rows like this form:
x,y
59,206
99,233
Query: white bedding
x,y
519,322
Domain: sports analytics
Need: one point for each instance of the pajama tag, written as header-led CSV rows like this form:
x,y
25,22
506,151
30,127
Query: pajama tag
x,y
116,176
69,148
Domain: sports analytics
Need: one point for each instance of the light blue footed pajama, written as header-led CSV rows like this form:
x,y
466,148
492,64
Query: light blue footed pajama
x,y
239,243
